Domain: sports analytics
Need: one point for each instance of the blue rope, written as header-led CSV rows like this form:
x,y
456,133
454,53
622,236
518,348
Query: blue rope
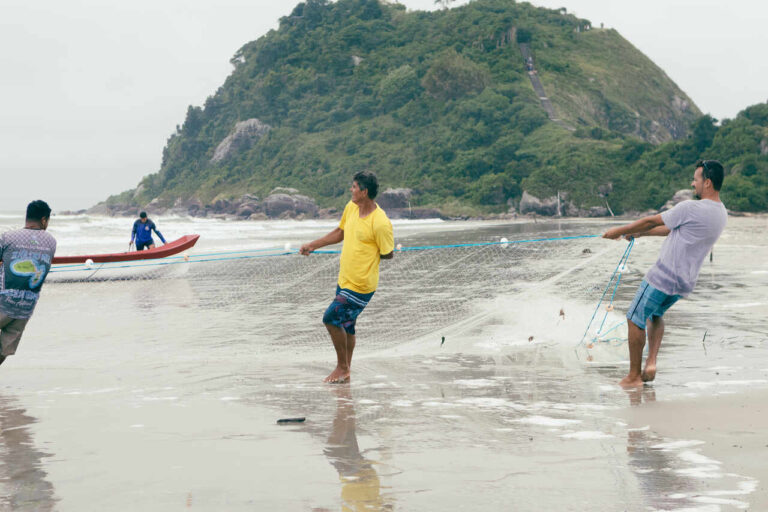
x,y
430,247
622,262
197,258
472,244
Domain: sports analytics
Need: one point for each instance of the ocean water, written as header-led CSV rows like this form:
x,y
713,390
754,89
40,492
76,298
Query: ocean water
x,y
158,387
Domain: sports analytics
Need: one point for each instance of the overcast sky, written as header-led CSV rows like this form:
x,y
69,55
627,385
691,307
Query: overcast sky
x,y
91,89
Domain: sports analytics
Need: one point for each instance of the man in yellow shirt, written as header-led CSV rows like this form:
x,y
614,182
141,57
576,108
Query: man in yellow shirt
x,y
367,234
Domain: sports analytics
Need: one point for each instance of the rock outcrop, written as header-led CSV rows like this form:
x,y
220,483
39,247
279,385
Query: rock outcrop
x,y
414,213
242,137
532,204
592,211
394,198
549,206
282,205
680,196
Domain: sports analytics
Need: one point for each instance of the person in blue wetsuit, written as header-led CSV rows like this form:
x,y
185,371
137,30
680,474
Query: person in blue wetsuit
x,y
142,233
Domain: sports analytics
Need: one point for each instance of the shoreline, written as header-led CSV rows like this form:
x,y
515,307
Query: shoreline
x,y
396,215
733,428
504,217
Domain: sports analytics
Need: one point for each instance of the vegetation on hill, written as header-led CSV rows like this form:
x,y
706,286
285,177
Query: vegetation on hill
x,y
440,102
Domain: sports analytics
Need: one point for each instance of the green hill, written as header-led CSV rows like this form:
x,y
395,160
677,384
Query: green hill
x,y
438,102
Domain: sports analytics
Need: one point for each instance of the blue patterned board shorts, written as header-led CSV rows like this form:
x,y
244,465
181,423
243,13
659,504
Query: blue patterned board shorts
x,y
649,302
345,308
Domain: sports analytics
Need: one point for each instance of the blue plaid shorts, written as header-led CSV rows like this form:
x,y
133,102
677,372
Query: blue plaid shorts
x,y
649,302
345,308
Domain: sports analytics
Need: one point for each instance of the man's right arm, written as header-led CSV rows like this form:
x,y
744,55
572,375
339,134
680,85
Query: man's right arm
x,y
334,237
643,225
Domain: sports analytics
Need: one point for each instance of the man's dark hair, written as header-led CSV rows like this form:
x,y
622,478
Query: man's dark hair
x,y
712,170
143,215
38,210
367,180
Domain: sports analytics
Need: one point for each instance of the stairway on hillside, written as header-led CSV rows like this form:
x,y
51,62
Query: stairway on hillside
x,y
525,50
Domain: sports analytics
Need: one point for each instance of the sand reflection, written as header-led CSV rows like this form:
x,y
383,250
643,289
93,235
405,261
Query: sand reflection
x,y
22,480
360,484
660,484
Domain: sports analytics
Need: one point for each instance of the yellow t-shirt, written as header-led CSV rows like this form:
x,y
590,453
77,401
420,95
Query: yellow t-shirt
x,y
365,240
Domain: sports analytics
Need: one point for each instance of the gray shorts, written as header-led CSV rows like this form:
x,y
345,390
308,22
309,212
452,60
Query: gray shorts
x,y
10,333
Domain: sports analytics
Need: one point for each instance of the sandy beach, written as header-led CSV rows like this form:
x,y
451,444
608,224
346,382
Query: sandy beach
x,y
733,428
159,387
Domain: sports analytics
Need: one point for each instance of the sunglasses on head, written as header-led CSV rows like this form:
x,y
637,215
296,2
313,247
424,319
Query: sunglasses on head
x,y
705,170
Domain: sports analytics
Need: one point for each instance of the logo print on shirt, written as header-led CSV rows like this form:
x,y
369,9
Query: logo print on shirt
x,y
24,268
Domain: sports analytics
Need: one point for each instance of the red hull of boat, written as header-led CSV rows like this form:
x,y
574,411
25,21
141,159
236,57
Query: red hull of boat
x,y
162,251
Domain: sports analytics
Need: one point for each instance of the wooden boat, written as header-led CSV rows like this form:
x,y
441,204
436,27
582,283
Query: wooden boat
x,y
161,251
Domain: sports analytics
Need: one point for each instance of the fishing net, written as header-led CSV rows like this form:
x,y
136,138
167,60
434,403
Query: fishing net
x,y
276,297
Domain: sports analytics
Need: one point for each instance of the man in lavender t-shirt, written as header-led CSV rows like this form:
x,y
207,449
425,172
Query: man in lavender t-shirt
x,y
25,259
691,228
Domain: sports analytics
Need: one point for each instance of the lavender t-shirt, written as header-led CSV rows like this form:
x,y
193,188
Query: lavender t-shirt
x,y
694,227
27,256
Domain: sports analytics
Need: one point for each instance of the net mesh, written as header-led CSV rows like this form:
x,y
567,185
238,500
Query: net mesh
x,y
278,297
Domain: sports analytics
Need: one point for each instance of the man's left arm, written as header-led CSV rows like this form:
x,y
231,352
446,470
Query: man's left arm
x,y
657,231
644,227
159,234
385,239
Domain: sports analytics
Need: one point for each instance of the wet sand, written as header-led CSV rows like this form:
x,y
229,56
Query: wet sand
x,y
733,428
162,392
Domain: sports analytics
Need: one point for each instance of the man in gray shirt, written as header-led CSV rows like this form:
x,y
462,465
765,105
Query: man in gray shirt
x,y
26,255
691,228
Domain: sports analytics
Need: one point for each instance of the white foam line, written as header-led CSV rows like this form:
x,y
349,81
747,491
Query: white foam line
x,y
547,421
747,487
676,445
720,501
708,508
711,472
715,383
587,435
697,458
105,390
484,402
474,383
439,404
583,407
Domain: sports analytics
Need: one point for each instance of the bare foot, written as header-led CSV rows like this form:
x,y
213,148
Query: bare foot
x,y
338,376
649,373
631,382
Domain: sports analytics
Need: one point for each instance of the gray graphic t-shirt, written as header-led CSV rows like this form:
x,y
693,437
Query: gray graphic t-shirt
x,y
26,256
695,227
